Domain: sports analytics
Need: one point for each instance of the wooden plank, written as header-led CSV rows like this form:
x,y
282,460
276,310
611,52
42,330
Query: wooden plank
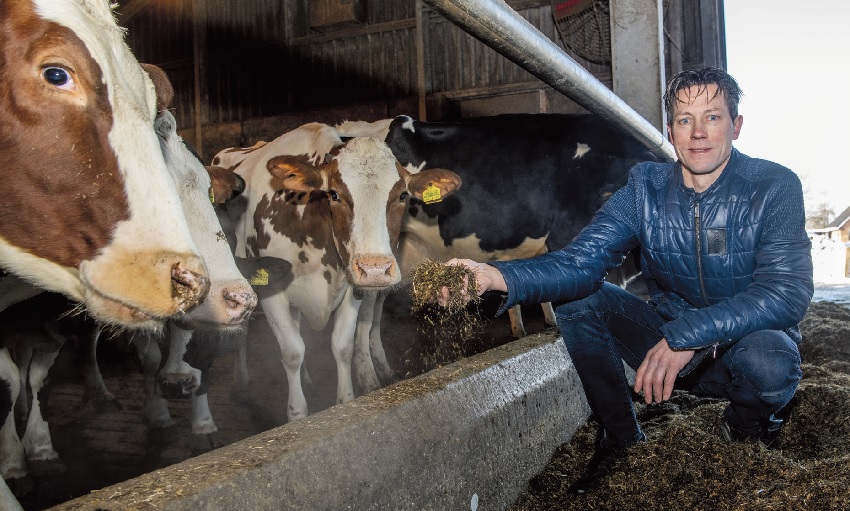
x,y
420,62
199,44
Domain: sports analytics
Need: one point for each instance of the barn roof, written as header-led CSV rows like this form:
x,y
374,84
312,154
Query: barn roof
x,y
840,219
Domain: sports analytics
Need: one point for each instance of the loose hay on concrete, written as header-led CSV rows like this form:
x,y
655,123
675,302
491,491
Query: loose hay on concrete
x,y
686,463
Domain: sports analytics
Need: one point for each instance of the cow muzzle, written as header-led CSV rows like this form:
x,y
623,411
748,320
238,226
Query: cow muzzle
x,y
140,290
375,271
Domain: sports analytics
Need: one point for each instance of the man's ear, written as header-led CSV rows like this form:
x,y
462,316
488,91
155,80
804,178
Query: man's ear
x,y
739,121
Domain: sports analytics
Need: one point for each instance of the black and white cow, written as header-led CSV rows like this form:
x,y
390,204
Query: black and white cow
x,y
531,183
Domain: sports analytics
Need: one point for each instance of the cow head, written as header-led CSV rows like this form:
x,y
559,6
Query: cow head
x,y
366,193
230,300
91,212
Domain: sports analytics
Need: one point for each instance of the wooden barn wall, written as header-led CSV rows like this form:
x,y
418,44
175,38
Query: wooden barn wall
x,y
260,59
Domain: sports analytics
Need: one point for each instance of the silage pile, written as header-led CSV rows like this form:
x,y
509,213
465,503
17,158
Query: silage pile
x,y
686,464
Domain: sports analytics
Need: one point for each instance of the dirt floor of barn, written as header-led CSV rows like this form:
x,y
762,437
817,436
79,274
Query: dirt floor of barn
x,y
102,448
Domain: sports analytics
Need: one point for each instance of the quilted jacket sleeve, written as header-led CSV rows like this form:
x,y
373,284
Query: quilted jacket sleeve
x,y
782,285
579,269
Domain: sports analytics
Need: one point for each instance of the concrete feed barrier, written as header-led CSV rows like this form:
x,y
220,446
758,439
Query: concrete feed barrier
x,y
468,435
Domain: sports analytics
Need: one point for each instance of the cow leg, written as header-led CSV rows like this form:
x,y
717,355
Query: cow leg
x,y
202,421
12,460
376,346
95,389
23,358
200,354
364,369
241,376
549,313
156,408
41,455
342,344
517,327
291,345
177,379
7,498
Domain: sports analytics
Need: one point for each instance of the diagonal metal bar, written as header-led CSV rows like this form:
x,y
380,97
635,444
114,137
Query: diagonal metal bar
x,y
495,24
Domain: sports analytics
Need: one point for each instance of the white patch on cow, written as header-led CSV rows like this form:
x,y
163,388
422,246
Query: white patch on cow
x,y
581,150
368,169
377,129
408,124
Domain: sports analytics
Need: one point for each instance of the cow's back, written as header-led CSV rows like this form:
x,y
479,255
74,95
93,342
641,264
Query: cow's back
x,y
531,182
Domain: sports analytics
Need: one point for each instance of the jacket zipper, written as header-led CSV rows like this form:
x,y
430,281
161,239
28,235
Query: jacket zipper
x,y
697,230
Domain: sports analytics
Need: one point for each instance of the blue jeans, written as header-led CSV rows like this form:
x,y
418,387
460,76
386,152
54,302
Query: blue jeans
x,y
758,374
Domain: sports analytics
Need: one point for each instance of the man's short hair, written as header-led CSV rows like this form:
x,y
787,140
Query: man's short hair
x,y
701,78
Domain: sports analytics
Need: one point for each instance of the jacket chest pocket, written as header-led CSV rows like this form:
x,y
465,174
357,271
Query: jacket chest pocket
x,y
715,240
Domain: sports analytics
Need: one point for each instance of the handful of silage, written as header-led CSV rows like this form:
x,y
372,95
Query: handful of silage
x,y
454,319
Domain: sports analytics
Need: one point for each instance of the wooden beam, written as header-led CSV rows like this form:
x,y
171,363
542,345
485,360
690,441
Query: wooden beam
x,y
421,81
199,46
130,9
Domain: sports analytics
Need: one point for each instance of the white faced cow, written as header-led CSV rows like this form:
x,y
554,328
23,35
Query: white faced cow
x,y
336,222
230,302
76,116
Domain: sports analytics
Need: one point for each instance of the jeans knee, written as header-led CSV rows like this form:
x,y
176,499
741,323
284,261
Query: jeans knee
x,y
769,364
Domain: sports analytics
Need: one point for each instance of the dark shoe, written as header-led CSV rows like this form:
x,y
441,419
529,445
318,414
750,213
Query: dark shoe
x,y
770,439
598,467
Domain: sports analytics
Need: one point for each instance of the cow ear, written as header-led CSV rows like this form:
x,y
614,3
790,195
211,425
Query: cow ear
x,y
224,184
293,173
432,185
164,89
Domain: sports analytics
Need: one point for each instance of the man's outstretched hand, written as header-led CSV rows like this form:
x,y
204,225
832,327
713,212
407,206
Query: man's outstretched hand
x,y
487,278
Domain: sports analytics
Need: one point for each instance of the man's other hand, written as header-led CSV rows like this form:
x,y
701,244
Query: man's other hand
x,y
657,374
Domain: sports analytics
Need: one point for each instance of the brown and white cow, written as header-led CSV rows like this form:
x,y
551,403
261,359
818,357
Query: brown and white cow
x,y
92,211
337,222
229,302
89,208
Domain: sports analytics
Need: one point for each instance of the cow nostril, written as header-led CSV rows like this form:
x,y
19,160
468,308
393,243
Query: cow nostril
x,y
187,286
239,299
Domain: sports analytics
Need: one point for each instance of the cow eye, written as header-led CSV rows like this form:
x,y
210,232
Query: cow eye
x,y
333,195
59,78
403,197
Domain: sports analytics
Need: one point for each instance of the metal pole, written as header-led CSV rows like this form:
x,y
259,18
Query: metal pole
x,y
495,24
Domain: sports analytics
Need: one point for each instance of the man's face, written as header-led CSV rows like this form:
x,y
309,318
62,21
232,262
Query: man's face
x,y
703,130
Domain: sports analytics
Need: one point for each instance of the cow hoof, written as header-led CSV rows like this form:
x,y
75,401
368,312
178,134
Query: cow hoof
x,y
161,435
21,486
389,378
106,404
206,442
182,388
40,468
206,428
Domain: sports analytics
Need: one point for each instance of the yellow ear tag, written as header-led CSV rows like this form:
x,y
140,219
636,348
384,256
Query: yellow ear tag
x,y
212,195
260,278
431,194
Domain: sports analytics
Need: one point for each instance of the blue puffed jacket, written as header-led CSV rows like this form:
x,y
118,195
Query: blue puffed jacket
x,y
719,264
